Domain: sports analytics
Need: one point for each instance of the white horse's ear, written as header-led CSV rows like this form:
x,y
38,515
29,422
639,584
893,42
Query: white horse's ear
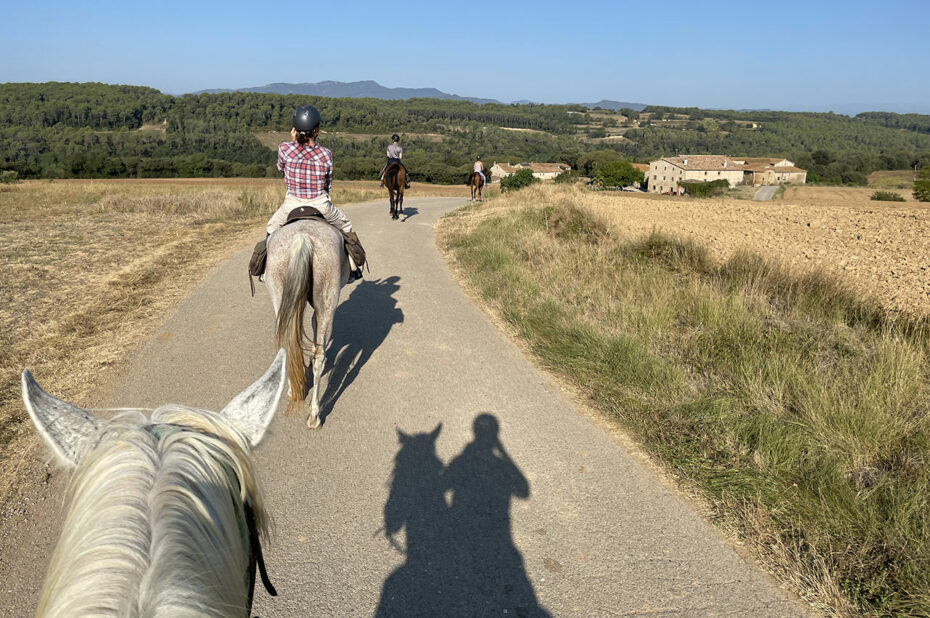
x,y
251,410
62,426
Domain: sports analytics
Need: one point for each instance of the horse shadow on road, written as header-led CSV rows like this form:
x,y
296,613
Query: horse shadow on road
x,y
410,211
460,557
361,324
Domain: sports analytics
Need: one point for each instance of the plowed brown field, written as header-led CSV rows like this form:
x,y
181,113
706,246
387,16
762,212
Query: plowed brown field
x,y
880,248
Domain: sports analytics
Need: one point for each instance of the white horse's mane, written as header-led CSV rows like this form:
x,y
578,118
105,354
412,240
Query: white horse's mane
x,y
155,523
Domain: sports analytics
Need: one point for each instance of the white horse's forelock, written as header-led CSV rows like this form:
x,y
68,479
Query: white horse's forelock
x,y
155,523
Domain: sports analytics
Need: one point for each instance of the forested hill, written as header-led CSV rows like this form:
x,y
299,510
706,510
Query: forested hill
x,y
96,130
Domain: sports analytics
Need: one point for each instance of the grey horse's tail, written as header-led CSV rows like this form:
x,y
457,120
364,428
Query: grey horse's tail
x,y
289,331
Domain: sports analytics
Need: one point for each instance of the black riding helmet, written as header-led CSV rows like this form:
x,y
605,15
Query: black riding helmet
x,y
395,138
306,118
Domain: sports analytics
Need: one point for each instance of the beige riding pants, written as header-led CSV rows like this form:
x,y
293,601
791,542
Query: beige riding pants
x,y
322,203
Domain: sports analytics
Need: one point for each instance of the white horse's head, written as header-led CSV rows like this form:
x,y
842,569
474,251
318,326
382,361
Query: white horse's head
x,y
160,507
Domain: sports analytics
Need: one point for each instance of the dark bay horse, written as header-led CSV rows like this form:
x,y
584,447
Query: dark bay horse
x,y
395,179
476,183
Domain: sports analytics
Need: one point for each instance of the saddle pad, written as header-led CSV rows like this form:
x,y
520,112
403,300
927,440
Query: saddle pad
x,y
303,212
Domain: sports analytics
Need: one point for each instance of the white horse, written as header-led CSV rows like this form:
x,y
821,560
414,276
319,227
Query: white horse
x,y
306,263
163,512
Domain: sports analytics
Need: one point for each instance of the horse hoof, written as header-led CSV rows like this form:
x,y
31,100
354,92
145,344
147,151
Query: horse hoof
x,y
314,422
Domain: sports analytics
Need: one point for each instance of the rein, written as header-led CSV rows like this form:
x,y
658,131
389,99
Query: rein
x,y
256,556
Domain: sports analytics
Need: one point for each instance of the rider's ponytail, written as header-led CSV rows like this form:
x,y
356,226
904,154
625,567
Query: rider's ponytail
x,y
305,136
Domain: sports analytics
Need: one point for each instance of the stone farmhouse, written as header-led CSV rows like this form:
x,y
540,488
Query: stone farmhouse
x,y
543,171
666,175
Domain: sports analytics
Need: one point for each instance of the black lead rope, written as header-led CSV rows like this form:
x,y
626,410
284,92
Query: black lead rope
x,y
256,557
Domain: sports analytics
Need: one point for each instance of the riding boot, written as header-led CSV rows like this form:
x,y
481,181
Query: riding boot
x,y
356,255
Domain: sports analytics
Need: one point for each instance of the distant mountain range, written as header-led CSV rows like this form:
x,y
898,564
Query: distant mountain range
x,y
615,105
353,90
374,90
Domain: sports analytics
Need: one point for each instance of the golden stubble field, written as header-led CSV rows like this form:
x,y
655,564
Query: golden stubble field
x,y
91,267
880,248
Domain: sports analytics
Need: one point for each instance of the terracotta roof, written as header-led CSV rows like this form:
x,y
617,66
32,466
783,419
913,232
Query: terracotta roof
x,y
720,162
643,167
538,168
542,168
705,162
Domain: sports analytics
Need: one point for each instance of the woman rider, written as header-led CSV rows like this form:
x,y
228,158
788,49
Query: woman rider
x,y
479,167
394,155
308,176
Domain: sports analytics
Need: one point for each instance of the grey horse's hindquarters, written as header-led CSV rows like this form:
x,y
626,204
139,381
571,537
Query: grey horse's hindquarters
x,y
323,271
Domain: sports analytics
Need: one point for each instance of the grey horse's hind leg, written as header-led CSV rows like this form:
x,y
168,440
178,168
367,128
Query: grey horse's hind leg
x,y
316,361
322,328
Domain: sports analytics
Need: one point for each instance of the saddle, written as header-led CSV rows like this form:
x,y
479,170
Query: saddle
x,y
304,212
260,254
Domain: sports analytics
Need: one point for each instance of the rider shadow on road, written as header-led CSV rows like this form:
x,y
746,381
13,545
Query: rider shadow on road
x,y
361,324
460,557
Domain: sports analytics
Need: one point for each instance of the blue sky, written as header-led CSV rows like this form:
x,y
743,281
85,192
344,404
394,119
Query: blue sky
x,y
845,56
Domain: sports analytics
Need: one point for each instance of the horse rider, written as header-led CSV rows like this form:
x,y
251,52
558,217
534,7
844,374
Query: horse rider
x,y
479,168
395,153
308,176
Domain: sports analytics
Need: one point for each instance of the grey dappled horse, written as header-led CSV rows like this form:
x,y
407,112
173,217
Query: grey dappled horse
x,y
306,263
163,510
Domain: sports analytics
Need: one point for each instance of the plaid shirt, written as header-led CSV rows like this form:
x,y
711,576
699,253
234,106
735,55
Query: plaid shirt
x,y
308,170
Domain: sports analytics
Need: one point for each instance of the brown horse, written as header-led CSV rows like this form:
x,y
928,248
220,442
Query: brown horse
x,y
395,179
476,183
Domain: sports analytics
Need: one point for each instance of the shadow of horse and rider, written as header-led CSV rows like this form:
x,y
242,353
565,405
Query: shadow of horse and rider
x,y
460,557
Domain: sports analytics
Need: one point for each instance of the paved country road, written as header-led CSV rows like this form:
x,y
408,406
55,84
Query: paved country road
x,y
500,497
765,194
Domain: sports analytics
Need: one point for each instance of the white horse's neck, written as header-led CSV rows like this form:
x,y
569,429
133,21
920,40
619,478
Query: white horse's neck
x,y
154,520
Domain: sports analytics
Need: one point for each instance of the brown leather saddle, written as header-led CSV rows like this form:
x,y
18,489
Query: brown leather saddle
x,y
352,245
304,212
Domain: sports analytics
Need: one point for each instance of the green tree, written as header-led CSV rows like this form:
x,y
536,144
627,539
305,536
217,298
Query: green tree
x,y
922,185
592,161
617,174
518,180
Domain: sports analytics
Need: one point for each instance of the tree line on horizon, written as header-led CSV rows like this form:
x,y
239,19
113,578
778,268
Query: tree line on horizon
x,y
90,130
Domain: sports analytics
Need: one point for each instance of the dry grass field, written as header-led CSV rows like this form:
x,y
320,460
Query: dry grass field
x,y
271,139
893,179
90,267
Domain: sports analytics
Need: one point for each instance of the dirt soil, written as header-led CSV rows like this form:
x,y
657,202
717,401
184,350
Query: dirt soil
x,y
880,248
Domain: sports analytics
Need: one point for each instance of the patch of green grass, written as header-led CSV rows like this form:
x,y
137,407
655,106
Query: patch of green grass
x,y
887,196
801,410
